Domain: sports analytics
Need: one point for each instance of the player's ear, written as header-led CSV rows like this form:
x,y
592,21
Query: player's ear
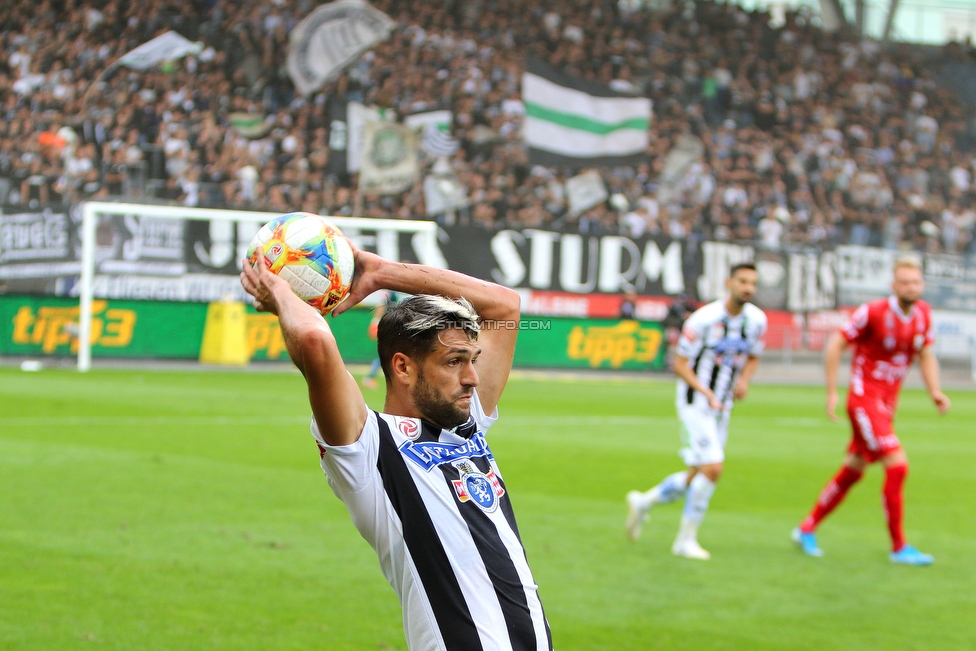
x,y
404,369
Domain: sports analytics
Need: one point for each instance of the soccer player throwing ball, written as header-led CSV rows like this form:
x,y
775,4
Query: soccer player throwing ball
x,y
717,354
886,334
418,478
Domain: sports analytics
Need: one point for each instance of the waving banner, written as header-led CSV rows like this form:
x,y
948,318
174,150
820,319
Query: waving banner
x,y
330,38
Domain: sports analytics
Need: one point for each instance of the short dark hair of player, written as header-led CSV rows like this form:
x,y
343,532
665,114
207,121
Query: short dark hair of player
x,y
736,268
412,325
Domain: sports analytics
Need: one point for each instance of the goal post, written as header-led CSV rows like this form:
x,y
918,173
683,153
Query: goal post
x,y
387,231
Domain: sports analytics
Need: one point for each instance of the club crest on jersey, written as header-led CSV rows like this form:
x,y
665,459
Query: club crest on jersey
x,y
409,427
475,486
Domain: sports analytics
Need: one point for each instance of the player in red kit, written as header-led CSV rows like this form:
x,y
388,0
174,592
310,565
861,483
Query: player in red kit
x,y
886,335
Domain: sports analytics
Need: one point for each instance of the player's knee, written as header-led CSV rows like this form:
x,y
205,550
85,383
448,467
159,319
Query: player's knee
x,y
712,470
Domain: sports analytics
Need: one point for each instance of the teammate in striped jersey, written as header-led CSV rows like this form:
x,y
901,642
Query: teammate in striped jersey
x,y
717,354
418,479
886,335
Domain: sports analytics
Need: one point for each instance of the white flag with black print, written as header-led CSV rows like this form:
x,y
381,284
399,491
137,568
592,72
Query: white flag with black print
x,y
165,47
579,123
332,37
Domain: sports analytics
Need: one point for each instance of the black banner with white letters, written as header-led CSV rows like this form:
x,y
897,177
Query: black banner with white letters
x,y
144,257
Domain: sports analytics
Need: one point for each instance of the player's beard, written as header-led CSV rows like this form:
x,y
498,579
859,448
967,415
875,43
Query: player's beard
x,y
434,408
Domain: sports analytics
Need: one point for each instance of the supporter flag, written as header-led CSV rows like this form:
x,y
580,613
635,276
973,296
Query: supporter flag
x,y
585,191
438,143
575,122
347,122
165,47
332,37
389,162
435,129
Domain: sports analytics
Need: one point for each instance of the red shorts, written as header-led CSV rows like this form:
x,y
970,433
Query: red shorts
x,y
873,433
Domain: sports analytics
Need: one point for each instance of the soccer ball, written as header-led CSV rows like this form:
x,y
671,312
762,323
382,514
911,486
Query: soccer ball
x,y
309,252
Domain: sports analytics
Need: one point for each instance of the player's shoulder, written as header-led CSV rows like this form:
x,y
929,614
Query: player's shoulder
x,y
754,313
924,307
708,312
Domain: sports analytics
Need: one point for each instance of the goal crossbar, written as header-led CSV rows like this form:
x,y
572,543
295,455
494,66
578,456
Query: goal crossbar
x,y
90,211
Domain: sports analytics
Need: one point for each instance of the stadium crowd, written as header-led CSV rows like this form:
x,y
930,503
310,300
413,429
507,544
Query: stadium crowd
x,y
808,137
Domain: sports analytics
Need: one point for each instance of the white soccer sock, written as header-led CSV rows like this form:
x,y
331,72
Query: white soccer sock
x,y
696,502
671,488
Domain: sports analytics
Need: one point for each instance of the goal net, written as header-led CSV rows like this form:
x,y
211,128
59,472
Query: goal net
x,y
175,253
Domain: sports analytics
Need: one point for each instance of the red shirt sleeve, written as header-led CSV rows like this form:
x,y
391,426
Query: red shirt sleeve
x,y
857,326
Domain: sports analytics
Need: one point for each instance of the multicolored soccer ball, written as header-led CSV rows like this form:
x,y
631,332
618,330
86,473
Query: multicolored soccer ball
x,y
309,252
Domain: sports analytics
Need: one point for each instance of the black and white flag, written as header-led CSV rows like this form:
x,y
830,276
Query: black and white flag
x,y
332,37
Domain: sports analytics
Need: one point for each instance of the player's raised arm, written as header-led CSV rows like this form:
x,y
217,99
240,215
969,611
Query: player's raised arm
x,y
929,366
497,306
336,400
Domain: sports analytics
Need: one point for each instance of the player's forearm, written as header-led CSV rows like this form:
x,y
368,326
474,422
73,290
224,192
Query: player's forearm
x,y
929,366
492,302
835,347
749,369
303,329
683,371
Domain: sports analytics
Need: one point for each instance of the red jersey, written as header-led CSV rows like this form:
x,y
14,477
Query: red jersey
x,y
885,341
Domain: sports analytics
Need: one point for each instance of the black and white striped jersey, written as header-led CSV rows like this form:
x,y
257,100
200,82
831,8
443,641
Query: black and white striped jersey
x,y
717,345
433,505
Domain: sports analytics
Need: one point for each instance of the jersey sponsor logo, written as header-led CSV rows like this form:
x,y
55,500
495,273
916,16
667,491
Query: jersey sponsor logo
x,y
732,345
890,372
482,489
431,454
409,427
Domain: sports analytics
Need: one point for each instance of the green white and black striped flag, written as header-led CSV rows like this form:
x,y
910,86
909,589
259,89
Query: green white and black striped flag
x,y
579,123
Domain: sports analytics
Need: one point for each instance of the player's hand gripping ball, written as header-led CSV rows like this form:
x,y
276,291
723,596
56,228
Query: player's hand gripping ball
x,y
310,253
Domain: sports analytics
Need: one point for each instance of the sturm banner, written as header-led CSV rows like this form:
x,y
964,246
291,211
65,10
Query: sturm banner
x,y
152,258
569,262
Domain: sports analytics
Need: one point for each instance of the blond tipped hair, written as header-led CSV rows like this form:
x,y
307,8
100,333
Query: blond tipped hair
x,y
907,262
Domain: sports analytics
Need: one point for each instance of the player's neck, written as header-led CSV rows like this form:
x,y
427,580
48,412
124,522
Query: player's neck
x,y
904,306
733,307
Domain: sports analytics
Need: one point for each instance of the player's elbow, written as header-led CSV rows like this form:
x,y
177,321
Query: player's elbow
x,y
314,346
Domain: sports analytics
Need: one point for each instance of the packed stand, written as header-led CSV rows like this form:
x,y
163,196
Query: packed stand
x,y
808,138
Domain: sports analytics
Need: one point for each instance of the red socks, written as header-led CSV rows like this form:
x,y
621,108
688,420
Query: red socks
x,y
833,494
893,500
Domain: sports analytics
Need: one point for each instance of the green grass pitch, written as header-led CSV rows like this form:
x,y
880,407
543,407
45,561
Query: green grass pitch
x,y
178,511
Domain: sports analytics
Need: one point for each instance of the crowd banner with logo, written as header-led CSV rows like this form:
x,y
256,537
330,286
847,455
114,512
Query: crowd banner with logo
x,y
798,281
165,47
575,122
140,257
864,273
389,158
332,37
950,282
585,191
955,334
